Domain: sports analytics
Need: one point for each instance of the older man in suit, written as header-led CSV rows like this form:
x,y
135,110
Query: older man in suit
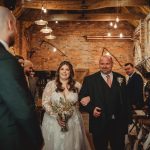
x,y
134,87
109,110
19,127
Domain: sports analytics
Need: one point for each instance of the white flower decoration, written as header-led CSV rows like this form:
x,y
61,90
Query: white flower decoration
x,y
120,80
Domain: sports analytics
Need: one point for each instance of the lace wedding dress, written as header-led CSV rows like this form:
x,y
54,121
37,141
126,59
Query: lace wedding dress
x,y
75,138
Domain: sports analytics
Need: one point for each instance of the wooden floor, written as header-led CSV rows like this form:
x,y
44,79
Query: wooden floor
x,y
86,124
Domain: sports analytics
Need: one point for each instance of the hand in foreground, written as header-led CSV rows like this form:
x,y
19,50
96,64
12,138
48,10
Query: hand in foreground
x,y
84,101
97,112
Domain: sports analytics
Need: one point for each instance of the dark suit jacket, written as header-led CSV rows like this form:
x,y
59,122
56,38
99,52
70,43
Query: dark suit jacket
x,y
19,128
93,86
135,90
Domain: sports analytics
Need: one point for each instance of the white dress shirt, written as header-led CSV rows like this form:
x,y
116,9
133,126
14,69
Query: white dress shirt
x,y
4,44
105,76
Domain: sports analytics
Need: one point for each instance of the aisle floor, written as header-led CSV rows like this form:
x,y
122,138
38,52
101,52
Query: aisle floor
x,y
86,124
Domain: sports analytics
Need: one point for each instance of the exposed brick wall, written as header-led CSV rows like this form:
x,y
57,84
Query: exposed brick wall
x,y
82,53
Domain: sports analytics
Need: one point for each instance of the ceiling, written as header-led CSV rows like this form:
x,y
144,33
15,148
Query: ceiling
x,y
82,10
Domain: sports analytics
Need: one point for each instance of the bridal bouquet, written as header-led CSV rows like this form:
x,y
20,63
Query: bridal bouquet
x,y
64,110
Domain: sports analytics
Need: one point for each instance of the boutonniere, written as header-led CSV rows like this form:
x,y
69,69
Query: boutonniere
x,y
120,80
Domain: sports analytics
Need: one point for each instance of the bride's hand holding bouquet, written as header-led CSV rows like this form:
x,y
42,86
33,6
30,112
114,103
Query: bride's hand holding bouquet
x,y
64,111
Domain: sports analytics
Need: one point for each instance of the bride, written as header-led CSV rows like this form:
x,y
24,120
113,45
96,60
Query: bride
x,y
62,124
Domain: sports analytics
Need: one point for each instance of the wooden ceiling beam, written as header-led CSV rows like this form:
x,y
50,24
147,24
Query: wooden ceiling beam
x,y
87,17
77,5
145,10
54,5
116,3
18,12
93,17
134,23
131,21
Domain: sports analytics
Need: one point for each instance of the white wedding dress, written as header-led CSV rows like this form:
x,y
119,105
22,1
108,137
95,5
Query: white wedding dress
x,y
75,138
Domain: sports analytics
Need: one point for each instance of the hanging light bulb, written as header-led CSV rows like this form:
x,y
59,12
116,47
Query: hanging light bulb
x,y
108,34
54,49
56,21
42,8
115,25
45,10
120,35
108,54
111,24
117,19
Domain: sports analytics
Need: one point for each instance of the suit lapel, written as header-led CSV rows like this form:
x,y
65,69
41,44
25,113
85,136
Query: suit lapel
x,y
4,52
100,83
115,82
132,77
2,47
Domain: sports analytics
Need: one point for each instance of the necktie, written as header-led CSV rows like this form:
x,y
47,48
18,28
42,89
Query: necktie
x,y
128,80
108,80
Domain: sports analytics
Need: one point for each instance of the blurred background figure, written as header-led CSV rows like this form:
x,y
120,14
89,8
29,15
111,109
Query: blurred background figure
x,y
20,60
28,67
147,92
31,78
134,86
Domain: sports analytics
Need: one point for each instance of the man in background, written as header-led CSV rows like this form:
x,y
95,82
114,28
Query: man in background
x,y
19,127
20,60
31,78
134,87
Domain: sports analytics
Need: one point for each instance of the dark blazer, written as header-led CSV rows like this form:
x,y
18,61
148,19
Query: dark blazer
x,y
135,90
94,86
19,127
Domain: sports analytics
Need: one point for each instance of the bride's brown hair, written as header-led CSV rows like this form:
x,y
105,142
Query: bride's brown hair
x,y
71,81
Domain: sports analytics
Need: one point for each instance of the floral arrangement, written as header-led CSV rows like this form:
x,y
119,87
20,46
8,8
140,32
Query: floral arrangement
x,y
120,80
64,110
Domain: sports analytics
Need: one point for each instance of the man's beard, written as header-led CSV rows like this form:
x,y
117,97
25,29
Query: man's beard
x,y
11,40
